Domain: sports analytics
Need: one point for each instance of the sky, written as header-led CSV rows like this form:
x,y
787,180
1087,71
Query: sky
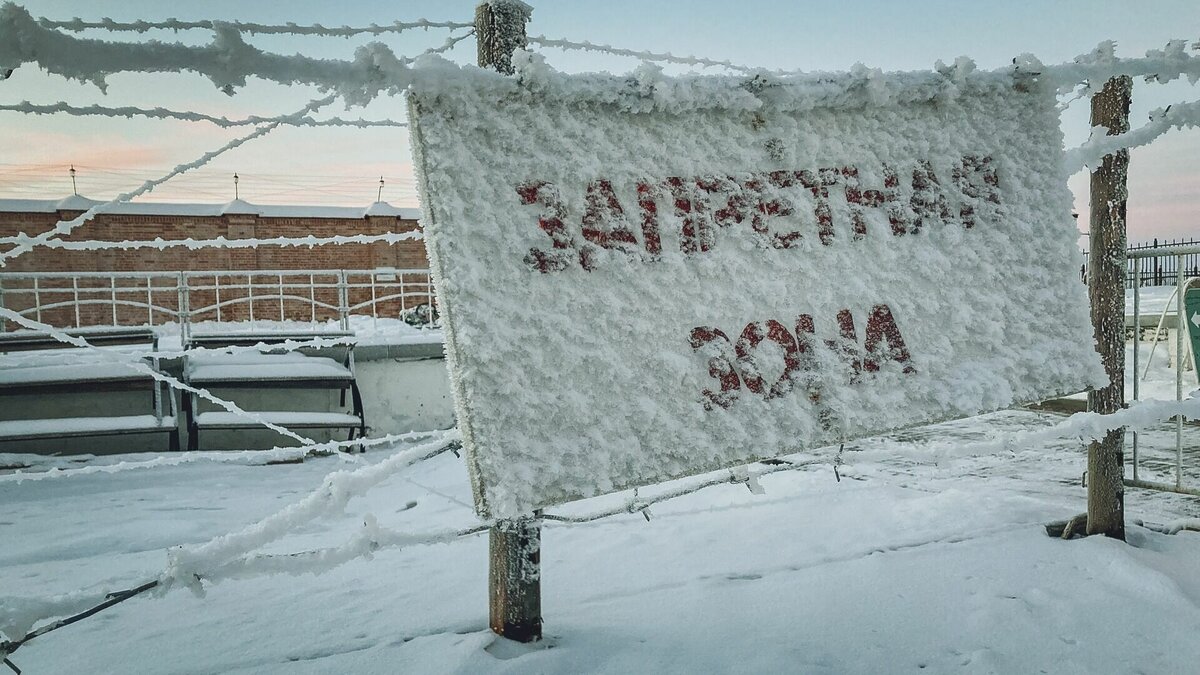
x,y
344,166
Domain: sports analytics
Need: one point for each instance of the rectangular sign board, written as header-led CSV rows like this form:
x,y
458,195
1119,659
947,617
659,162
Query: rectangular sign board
x,y
644,278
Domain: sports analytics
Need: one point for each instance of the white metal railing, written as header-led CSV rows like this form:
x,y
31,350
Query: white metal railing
x,y
79,299
1179,482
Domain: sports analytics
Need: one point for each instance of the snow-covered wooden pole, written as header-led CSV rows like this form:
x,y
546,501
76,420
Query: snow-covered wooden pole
x,y
514,561
500,31
1106,289
515,579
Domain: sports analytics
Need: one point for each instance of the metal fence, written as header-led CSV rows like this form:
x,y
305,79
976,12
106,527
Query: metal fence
x,y
1154,263
1178,471
81,299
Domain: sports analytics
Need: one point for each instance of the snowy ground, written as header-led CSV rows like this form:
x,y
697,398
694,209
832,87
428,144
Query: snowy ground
x,y
904,565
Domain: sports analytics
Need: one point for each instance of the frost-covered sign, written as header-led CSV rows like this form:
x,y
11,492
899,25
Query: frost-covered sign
x,y
644,278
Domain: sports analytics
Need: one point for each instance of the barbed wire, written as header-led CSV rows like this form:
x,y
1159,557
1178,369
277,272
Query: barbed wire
x,y
63,228
1100,144
234,559
667,57
160,244
78,25
186,564
276,455
62,107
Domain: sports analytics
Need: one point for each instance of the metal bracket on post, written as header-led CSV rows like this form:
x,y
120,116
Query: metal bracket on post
x,y
515,578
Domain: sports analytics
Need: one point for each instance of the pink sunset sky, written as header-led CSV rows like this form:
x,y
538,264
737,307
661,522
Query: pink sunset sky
x,y
342,166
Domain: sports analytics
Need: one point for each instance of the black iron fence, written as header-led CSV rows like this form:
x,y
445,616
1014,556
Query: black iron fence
x,y
1157,270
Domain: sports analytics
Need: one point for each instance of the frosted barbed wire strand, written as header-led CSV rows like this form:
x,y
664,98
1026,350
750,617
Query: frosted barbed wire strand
x,y
18,615
1100,144
77,25
242,457
637,503
372,538
1101,64
139,366
1091,426
364,544
162,113
227,61
185,563
543,41
65,227
449,43
219,242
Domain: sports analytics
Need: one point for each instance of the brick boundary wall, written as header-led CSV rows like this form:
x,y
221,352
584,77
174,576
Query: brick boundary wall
x,y
122,227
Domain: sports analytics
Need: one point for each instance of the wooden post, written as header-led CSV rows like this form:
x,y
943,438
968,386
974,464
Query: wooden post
x,y
514,562
514,579
499,31
1106,289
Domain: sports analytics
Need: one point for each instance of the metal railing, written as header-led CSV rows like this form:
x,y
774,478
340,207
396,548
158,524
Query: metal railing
x,y
1182,355
1155,263
81,299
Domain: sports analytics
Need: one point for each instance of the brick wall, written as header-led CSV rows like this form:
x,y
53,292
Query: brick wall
x,y
119,227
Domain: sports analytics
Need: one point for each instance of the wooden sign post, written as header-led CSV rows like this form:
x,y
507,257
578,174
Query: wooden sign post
x,y
514,571
1106,288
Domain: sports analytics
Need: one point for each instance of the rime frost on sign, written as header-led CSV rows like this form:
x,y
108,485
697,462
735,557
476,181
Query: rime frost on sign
x,y
645,277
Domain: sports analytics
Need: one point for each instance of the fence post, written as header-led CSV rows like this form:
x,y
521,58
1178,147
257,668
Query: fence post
x,y
1106,289
514,578
185,319
343,301
514,570
499,31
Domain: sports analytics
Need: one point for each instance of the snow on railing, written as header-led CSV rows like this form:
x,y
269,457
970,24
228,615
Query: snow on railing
x,y
143,368
83,299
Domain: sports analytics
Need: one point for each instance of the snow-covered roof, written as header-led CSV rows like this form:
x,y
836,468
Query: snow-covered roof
x,y
235,207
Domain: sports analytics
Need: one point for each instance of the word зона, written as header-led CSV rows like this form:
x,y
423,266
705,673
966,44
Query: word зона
x,y
706,202
731,365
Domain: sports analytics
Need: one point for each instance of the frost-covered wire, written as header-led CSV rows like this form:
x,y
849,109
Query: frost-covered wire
x,y
363,544
158,243
18,615
636,503
76,24
188,116
1092,152
243,458
65,227
1102,63
188,563
666,57
141,367
228,60
449,43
